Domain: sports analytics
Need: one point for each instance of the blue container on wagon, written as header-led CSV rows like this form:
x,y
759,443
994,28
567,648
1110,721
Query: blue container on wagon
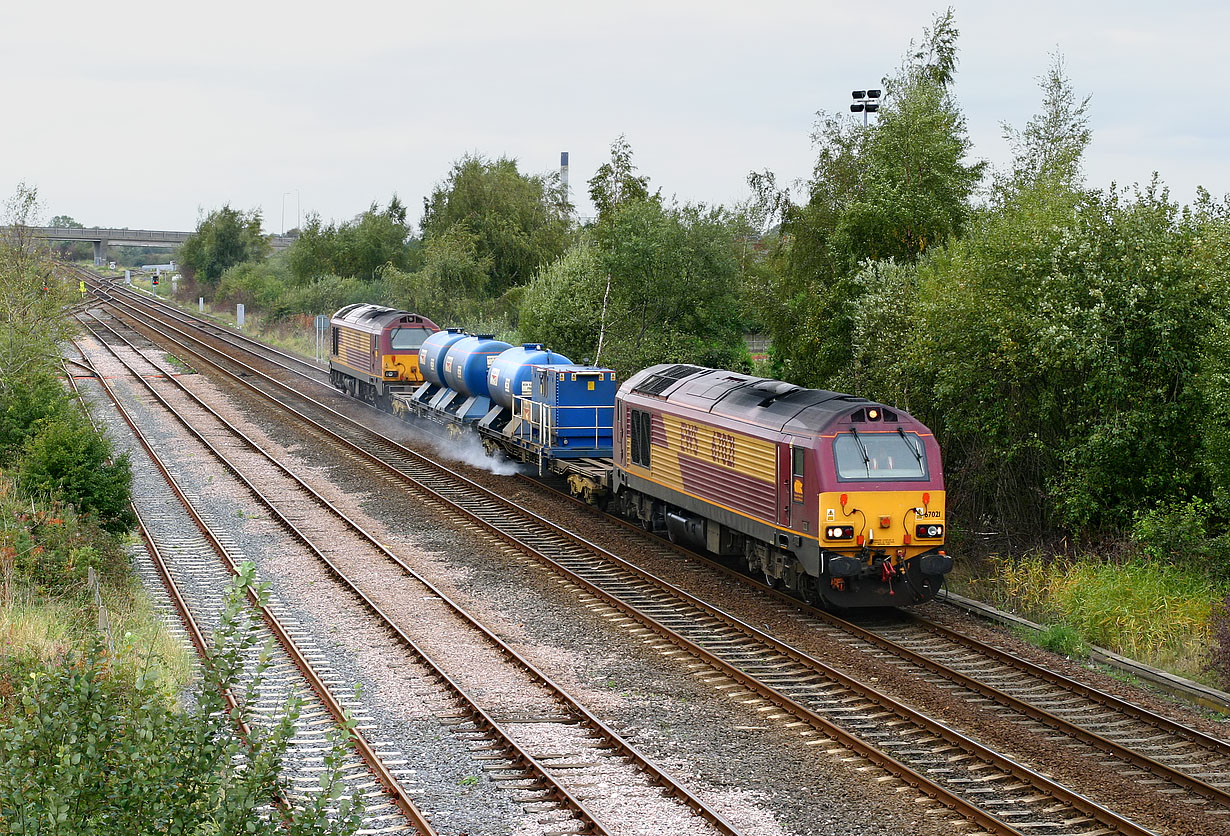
x,y
432,351
511,374
467,361
571,410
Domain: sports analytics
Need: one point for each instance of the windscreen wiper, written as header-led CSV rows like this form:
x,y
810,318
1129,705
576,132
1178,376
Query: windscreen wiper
x,y
910,444
862,449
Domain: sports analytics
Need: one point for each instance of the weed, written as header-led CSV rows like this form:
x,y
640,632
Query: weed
x,y
468,781
178,364
1219,662
1062,639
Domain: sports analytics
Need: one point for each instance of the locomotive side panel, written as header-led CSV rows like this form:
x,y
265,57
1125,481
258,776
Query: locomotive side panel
x,y
718,465
355,349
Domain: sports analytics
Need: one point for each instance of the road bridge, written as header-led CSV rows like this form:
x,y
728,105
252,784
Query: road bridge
x,y
101,238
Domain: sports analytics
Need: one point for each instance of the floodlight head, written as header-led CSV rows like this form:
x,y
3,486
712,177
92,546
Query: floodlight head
x,y
874,94
856,108
859,94
872,107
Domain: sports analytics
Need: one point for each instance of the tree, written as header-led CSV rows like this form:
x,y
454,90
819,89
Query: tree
x,y
69,250
615,183
519,222
1053,142
451,286
661,284
33,292
223,238
565,306
359,248
890,190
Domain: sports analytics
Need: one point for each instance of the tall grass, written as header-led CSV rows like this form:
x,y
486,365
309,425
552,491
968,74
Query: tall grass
x,y
40,630
1155,612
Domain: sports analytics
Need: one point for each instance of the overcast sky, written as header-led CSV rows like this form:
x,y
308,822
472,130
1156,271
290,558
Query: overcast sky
x,y
144,114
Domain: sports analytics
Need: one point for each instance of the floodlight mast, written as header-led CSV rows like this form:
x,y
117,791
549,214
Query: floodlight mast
x,y
866,101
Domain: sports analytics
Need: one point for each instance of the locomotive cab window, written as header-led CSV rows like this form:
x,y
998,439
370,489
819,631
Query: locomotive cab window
x,y
404,339
879,457
638,439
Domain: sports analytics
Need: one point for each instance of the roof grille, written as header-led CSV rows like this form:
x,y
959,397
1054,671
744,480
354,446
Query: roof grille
x,y
658,383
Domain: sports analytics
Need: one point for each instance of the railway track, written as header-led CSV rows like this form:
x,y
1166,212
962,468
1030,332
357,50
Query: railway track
x,y
202,563
1190,765
530,759
781,682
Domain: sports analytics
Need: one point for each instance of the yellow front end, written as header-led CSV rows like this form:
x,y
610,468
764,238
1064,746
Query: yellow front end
x,y
402,368
902,524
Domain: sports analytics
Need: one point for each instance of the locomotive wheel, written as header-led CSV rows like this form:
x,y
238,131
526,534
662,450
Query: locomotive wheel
x,y
809,589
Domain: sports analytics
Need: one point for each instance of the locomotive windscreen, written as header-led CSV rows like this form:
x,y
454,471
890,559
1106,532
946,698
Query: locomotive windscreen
x,y
404,339
880,457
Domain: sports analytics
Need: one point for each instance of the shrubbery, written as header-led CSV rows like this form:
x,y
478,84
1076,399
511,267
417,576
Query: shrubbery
x,y
32,398
93,745
68,461
47,548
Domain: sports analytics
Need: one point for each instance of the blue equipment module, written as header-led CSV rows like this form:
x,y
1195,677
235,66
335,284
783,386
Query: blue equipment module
x,y
570,412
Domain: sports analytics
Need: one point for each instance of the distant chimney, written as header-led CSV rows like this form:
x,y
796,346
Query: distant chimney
x,y
563,168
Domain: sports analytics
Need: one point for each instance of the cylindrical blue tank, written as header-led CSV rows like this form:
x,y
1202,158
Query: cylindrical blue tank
x,y
432,351
510,373
466,363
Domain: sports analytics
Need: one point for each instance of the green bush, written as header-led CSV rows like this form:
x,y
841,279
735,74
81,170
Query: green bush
x,y
254,283
1178,532
324,295
67,460
92,745
29,399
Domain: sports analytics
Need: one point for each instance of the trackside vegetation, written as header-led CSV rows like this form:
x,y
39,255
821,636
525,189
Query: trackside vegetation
x,y
96,735
1069,343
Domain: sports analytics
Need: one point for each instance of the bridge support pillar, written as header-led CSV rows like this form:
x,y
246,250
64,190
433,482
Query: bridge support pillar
x,y
100,252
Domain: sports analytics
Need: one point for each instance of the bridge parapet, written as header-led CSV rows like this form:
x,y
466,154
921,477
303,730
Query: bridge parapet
x,y
101,237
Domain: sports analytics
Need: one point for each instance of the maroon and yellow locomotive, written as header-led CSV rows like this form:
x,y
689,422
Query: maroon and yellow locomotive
x,y
374,351
834,496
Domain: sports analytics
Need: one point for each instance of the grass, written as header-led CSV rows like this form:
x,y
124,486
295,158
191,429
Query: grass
x,y
39,630
297,337
1063,639
1154,612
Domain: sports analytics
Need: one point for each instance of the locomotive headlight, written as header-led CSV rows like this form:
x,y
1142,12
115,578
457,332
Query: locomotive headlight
x,y
929,532
839,532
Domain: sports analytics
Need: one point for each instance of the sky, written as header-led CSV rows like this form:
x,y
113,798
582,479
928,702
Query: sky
x,y
147,115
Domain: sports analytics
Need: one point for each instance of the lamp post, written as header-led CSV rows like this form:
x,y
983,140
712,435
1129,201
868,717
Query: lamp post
x,y
298,214
866,101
